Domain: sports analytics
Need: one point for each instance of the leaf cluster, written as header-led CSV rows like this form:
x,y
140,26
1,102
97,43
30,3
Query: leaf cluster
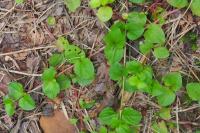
x,y
104,12
17,94
119,122
83,69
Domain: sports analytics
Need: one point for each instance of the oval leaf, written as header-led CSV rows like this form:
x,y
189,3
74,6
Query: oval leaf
x,y
105,13
26,102
15,90
161,52
193,90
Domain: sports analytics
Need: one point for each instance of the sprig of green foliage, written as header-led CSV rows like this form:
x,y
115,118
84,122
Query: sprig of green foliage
x,y
104,12
17,94
83,69
119,122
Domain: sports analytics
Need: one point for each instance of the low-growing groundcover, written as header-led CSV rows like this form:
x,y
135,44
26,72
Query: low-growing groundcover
x,y
142,30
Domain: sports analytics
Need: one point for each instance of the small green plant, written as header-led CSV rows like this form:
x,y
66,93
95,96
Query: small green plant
x,y
72,5
125,121
17,94
51,20
104,12
84,74
183,3
193,90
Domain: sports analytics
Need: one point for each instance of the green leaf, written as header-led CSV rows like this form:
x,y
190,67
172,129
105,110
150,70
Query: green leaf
x,y
160,127
167,98
103,129
134,31
154,34
195,7
73,54
19,1
63,81
117,71
62,43
49,74
86,104
51,88
146,47
9,106
131,116
173,80
193,90
51,20
84,71
113,54
15,90
161,52
157,89
107,115
123,128
128,87
56,59
137,18
137,1
165,113
110,38
178,3
134,66
95,3
105,13
72,5
26,102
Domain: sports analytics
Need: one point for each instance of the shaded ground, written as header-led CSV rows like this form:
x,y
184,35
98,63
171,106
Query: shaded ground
x,y
26,42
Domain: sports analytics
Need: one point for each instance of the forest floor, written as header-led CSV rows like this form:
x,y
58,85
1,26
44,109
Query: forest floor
x,y
27,41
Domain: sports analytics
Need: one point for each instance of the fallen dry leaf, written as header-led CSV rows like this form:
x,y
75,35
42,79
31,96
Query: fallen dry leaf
x,y
56,123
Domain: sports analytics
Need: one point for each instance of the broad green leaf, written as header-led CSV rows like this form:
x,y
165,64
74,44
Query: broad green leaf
x,y
63,81
113,54
95,3
131,116
26,102
164,113
19,1
167,98
134,66
56,59
123,128
107,115
115,38
134,31
51,88
160,127
173,80
103,129
72,5
51,20
161,52
73,54
9,105
137,1
62,43
117,71
145,47
84,71
137,18
193,90
195,7
154,34
178,3
49,74
15,90
105,13
157,89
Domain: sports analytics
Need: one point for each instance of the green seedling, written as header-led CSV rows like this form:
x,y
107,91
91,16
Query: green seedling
x,y
84,73
17,94
193,90
51,20
104,12
119,122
